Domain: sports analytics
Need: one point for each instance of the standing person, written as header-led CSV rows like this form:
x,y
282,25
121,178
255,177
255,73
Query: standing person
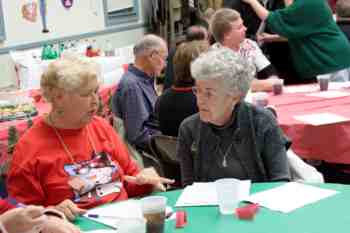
x,y
70,158
135,96
317,45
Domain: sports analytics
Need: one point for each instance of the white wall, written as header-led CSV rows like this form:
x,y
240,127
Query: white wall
x,y
84,16
62,23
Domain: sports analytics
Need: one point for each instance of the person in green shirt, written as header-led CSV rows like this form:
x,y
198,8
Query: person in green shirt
x,y
317,45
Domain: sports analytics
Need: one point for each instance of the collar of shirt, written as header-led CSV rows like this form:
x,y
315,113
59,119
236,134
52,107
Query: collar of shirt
x,y
142,75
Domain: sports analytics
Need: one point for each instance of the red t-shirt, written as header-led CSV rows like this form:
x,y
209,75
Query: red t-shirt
x,y
5,206
43,173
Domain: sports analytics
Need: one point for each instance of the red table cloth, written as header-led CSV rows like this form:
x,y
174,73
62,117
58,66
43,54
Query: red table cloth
x,y
323,142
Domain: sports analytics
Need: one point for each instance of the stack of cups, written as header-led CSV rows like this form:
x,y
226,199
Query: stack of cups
x,y
153,209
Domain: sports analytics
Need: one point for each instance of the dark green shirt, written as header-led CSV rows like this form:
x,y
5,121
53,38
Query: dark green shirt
x,y
317,45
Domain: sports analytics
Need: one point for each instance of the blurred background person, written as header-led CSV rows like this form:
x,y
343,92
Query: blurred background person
x,y
229,31
135,96
317,45
179,102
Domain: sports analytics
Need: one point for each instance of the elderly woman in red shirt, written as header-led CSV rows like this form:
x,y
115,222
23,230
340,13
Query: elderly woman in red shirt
x,y
70,158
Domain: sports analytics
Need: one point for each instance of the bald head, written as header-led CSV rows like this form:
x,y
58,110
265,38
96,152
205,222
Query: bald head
x,y
196,33
147,44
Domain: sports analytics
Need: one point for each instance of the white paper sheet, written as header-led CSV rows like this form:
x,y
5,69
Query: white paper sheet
x,y
124,209
290,196
329,94
321,118
204,194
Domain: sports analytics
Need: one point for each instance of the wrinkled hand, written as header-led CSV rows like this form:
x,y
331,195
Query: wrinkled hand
x,y
149,176
58,225
69,209
23,219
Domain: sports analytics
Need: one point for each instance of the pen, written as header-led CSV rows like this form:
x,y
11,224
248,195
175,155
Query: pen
x,y
102,216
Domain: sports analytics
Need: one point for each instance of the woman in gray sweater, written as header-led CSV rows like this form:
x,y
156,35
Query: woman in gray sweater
x,y
229,137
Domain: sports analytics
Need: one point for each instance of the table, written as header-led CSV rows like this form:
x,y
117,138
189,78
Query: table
x,y
330,142
328,215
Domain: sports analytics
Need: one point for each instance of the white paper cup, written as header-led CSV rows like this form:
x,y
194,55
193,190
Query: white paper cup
x,y
227,194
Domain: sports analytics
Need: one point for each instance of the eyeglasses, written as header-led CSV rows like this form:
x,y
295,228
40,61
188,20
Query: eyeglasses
x,y
207,94
164,58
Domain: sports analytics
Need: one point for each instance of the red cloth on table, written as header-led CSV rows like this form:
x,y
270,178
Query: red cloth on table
x,y
39,174
324,142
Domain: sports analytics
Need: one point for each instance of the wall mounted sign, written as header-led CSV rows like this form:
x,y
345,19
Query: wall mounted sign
x,y
29,10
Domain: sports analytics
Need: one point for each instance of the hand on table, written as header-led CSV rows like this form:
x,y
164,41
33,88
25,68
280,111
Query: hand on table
x,y
23,219
58,225
149,176
69,209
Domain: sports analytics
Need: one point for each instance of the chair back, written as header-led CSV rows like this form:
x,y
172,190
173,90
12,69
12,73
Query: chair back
x,y
164,148
301,171
143,159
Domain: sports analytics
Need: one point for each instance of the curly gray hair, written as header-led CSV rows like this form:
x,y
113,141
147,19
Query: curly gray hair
x,y
227,65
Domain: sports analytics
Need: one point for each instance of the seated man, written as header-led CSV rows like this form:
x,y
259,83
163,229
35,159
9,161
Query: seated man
x,y
135,96
228,30
229,137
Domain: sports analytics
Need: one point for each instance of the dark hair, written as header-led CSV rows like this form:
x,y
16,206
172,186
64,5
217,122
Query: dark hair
x,y
185,54
196,33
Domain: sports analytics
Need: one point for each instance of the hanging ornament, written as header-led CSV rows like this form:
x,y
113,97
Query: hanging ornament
x,y
67,3
43,13
29,10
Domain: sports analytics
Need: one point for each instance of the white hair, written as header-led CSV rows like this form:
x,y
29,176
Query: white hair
x,y
148,43
235,71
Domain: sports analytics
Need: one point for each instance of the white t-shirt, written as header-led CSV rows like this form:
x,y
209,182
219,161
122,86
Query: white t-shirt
x,y
250,50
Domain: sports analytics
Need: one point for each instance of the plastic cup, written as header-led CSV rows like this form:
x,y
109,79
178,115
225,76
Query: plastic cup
x,y
131,225
227,191
323,82
277,86
153,209
260,99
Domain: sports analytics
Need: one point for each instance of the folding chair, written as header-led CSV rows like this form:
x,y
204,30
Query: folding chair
x,y
164,148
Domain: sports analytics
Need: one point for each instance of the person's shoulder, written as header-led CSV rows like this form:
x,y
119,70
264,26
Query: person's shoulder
x,y
36,132
250,43
128,80
263,117
191,121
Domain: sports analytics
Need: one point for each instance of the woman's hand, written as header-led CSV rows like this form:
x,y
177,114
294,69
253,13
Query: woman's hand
x,y
23,219
69,209
149,176
58,225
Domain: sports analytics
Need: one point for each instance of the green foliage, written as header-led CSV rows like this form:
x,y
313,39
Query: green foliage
x,y
12,139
